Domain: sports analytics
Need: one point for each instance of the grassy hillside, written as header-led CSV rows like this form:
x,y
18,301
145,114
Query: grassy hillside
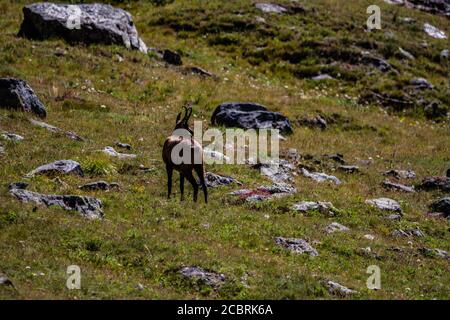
x,y
144,236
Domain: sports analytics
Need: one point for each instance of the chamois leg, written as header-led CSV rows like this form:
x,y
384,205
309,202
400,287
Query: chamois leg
x,y
192,181
201,176
169,171
182,186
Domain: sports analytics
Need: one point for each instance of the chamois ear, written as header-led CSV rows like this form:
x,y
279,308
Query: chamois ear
x,y
178,118
188,114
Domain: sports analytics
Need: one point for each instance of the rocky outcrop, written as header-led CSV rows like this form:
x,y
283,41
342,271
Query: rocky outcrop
x,y
397,186
99,185
88,207
213,180
249,115
83,23
441,206
385,204
16,94
69,134
435,183
203,276
320,177
320,206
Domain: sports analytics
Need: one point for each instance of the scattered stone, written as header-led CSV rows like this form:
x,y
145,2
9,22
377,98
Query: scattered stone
x,y
5,281
140,286
299,246
99,185
18,185
11,137
113,153
385,204
89,207
69,134
123,145
339,158
337,289
270,8
434,32
322,207
369,237
421,83
172,57
98,23
292,154
349,169
316,122
442,206
401,174
58,167
210,278
322,77
376,62
277,171
17,94
333,227
320,177
213,156
249,115
435,183
213,180
277,190
435,252
445,54
394,217
397,186
406,54
441,7
408,233
198,71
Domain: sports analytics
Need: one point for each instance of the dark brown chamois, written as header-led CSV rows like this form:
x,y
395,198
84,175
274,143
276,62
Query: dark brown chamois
x,y
182,139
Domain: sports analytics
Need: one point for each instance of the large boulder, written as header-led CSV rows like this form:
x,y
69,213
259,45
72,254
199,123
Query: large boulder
x,y
17,94
441,205
248,115
83,23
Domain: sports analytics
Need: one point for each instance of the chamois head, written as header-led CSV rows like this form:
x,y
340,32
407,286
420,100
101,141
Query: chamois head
x,y
183,123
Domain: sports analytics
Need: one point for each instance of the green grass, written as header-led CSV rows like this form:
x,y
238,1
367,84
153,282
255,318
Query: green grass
x,y
145,237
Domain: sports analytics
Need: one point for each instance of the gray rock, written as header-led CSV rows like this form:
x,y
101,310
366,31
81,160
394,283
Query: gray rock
x,y
210,278
334,226
5,281
172,57
435,183
394,217
249,115
97,23
316,122
277,171
88,207
434,32
322,77
421,83
278,188
69,134
299,246
408,233
18,185
406,54
337,289
99,185
262,193
320,177
17,94
397,186
400,174
123,145
376,62
213,180
271,8
349,169
322,207
198,71
59,167
435,253
11,137
385,204
113,153
441,7
441,205
445,54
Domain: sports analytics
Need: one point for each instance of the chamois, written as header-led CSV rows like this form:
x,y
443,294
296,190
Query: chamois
x,y
184,142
